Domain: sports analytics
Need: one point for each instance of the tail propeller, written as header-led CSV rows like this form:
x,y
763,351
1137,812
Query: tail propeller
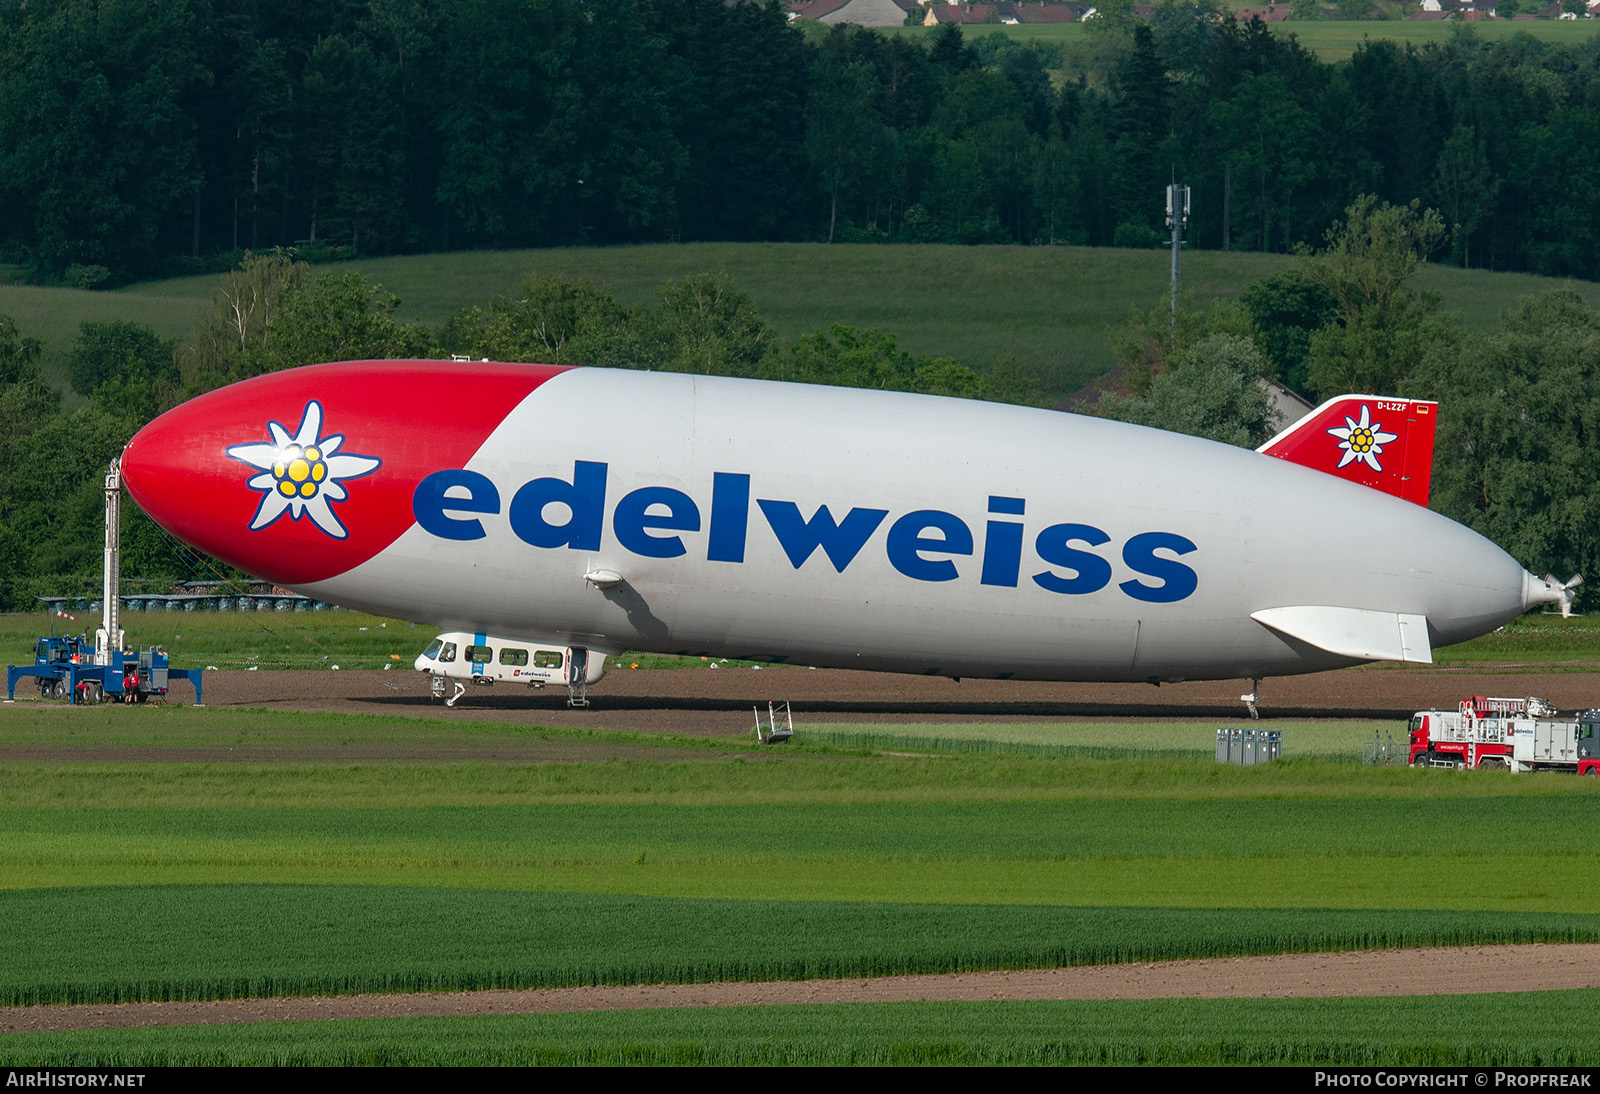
x,y
1563,592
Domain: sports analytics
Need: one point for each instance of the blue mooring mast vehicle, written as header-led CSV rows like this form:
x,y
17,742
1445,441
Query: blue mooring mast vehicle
x,y
70,668
65,668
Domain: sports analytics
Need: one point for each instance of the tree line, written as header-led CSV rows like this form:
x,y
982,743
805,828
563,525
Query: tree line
x,y
140,137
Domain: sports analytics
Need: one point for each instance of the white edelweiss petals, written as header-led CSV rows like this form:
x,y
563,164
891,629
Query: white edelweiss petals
x,y
349,467
280,435
317,509
310,424
256,455
272,507
333,491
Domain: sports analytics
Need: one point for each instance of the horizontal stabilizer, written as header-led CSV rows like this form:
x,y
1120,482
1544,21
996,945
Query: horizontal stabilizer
x,y
1354,632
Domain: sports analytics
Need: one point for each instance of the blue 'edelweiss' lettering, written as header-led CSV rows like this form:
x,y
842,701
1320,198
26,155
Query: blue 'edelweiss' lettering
x,y
555,512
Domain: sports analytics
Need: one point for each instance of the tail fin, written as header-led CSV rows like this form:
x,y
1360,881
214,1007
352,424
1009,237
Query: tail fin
x,y
1386,444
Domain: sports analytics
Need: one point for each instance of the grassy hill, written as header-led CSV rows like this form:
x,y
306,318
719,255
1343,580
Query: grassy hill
x,y
1050,306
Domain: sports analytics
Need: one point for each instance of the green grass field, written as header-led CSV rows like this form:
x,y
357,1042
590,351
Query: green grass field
x,y
1544,642
174,852
262,639
1188,853
634,858
1051,307
352,640
1099,740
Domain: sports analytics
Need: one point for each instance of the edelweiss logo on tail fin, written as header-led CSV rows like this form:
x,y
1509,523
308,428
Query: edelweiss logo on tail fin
x,y
1406,446
302,474
1363,440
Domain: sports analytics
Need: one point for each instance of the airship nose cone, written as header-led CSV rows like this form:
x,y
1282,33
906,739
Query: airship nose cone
x,y
1473,585
298,476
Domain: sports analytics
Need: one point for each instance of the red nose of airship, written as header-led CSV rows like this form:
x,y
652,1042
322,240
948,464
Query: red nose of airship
x,y
298,476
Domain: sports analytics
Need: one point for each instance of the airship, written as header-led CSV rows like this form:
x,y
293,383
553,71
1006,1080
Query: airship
x,y
548,518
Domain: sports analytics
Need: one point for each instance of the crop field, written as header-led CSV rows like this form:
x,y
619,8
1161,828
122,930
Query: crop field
x,y
163,853
1465,1031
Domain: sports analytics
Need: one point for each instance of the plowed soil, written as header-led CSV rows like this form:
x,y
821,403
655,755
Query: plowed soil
x,y
719,700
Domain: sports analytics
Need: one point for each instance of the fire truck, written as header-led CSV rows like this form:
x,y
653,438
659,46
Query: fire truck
x,y
1510,734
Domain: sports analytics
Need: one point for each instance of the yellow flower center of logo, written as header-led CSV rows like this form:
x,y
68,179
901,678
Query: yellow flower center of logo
x,y
1361,440
299,471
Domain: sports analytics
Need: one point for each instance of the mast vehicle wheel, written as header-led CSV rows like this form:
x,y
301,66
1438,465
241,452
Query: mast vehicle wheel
x,y
1422,759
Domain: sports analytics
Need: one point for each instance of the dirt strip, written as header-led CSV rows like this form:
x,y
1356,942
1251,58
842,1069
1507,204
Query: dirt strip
x,y
1450,971
719,701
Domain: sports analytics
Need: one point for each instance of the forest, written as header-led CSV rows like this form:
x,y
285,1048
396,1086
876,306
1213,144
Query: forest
x,y
142,138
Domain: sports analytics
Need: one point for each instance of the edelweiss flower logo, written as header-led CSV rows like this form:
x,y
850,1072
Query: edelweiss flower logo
x,y
1363,440
302,475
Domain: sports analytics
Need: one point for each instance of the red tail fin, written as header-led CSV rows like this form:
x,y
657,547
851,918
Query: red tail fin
x,y
1386,444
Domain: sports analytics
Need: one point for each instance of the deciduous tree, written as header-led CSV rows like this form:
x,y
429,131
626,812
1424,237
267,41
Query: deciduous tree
x,y
1517,456
1212,391
1381,326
